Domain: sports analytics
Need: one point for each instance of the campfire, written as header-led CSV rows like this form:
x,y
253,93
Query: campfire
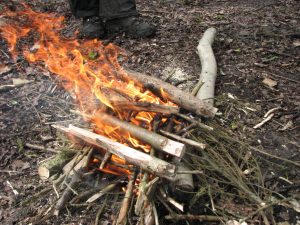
x,y
141,130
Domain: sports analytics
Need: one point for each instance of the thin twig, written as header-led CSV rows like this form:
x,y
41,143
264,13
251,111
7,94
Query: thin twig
x,y
100,211
274,156
125,204
40,148
264,121
183,140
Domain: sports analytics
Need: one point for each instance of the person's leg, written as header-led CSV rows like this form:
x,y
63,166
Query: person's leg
x,y
112,9
82,8
121,15
92,26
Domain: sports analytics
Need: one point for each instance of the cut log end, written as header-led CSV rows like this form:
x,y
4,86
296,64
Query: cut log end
x,y
174,148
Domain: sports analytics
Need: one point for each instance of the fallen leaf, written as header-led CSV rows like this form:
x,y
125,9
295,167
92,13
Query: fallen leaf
x,y
4,69
271,83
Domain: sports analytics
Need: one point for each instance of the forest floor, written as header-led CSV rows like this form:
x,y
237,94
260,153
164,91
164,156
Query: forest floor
x,y
258,54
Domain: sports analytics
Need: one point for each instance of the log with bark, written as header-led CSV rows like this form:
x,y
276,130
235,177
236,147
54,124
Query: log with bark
x,y
121,101
130,155
145,106
55,164
183,99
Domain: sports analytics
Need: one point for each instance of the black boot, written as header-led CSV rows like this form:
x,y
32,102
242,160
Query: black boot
x,y
92,27
132,26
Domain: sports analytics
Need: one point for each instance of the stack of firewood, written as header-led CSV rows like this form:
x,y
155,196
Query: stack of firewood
x,y
164,164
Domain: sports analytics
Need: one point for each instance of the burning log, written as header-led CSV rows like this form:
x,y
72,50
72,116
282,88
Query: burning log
x,y
122,101
155,140
132,156
181,98
145,106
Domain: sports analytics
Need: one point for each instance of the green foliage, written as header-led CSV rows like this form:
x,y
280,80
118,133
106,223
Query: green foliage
x,y
93,55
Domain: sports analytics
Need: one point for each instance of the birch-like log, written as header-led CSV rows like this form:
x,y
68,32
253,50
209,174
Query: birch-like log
x,y
157,141
130,155
55,164
209,67
183,99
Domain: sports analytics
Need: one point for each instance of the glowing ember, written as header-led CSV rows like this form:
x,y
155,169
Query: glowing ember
x,y
89,70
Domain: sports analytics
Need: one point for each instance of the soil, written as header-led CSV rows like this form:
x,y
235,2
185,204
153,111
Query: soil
x,y
258,54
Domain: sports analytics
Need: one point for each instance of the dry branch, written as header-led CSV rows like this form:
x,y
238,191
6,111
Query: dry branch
x,y
193,217
40,148
209,67
155,140
132,156
106,158
77,176
184,140
9,87
125,204
181,98
196,122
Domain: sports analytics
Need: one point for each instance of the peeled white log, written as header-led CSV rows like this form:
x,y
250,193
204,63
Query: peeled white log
x,y
146,162
209,67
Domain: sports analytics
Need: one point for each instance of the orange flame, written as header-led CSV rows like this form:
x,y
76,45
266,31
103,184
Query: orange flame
x,y
86,68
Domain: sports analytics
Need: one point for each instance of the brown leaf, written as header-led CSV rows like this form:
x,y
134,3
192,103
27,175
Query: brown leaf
x,y
271,83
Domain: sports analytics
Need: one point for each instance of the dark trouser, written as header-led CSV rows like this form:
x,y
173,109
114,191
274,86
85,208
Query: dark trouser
x,y
106,9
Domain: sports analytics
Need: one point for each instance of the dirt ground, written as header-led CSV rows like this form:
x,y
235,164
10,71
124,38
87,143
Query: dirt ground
x,y
258,54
